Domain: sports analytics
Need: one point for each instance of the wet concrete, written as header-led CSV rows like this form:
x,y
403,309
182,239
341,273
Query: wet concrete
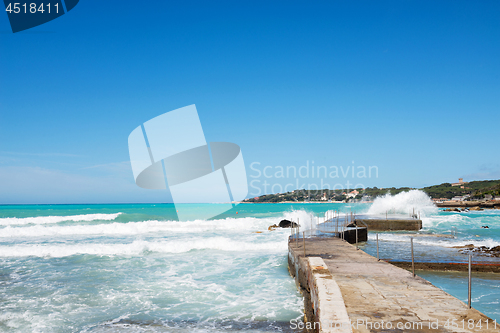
x,y
377,296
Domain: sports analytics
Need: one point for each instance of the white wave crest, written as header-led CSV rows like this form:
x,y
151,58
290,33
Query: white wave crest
x,y
228,225
138,247
403,203
437,241
135,228
56,219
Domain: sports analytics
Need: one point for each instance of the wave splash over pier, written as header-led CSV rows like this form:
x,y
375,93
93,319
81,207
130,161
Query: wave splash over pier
x,y
403,203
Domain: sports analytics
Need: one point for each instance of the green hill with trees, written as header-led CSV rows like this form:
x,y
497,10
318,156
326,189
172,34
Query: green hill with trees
x,y
475,189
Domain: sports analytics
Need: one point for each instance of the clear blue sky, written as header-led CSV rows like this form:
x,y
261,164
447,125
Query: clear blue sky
x,y
411,87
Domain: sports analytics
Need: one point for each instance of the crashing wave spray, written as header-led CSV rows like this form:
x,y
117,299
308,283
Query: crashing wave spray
x,y
403,203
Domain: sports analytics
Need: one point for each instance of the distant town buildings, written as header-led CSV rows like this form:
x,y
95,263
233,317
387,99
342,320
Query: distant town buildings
x,y
461,198
352,194
440,199
460,183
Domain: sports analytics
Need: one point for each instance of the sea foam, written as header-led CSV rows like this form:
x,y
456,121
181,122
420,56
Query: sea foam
x,y
139,247
56,219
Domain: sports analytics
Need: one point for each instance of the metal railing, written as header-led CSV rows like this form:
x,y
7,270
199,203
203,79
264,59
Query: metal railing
x,y
469,284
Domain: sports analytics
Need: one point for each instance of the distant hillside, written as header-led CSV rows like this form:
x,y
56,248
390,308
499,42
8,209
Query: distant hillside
x,y
476,190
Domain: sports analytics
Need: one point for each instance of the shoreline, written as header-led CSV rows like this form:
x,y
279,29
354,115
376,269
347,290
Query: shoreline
x,y
301,202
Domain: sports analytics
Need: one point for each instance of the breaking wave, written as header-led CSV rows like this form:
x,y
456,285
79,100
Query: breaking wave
x,y
139,247
404,203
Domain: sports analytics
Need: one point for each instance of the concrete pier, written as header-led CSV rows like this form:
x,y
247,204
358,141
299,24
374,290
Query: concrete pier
x,y
347,290
390,224
374,223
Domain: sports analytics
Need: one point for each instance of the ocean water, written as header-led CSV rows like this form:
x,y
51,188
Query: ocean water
x,y
114,268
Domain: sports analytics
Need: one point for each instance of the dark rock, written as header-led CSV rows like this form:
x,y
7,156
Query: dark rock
x,y
496,248
481,250
287,224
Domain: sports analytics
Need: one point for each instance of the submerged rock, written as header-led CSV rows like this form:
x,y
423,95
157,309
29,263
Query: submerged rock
x,y
468,246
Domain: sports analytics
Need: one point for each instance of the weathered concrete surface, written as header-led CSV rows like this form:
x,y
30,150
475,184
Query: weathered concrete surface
x,y
390,224
376,293
327,298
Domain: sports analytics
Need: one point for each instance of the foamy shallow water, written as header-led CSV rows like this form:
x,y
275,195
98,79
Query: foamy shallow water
x,y
97,274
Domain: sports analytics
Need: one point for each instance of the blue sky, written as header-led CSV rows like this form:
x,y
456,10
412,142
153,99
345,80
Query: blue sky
x,y
411,87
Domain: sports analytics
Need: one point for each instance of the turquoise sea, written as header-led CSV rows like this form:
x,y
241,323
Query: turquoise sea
x,y
132,267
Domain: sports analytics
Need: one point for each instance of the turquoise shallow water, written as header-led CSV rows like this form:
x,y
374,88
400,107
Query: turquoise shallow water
x,y
111,268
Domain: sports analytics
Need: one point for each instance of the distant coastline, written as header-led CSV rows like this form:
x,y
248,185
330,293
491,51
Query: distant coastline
x,y
485,194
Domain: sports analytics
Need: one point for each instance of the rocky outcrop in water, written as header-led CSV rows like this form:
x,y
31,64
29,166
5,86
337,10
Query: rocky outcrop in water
x,y
452,210
462,210
480,250
287,224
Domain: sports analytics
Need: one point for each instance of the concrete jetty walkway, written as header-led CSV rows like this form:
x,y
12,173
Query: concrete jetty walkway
x,y
343,284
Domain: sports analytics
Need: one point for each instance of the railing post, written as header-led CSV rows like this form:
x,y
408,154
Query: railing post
x,y
304,242
470,280
336,227
378,258
345,227
298,232
356,237
297,235
412,259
